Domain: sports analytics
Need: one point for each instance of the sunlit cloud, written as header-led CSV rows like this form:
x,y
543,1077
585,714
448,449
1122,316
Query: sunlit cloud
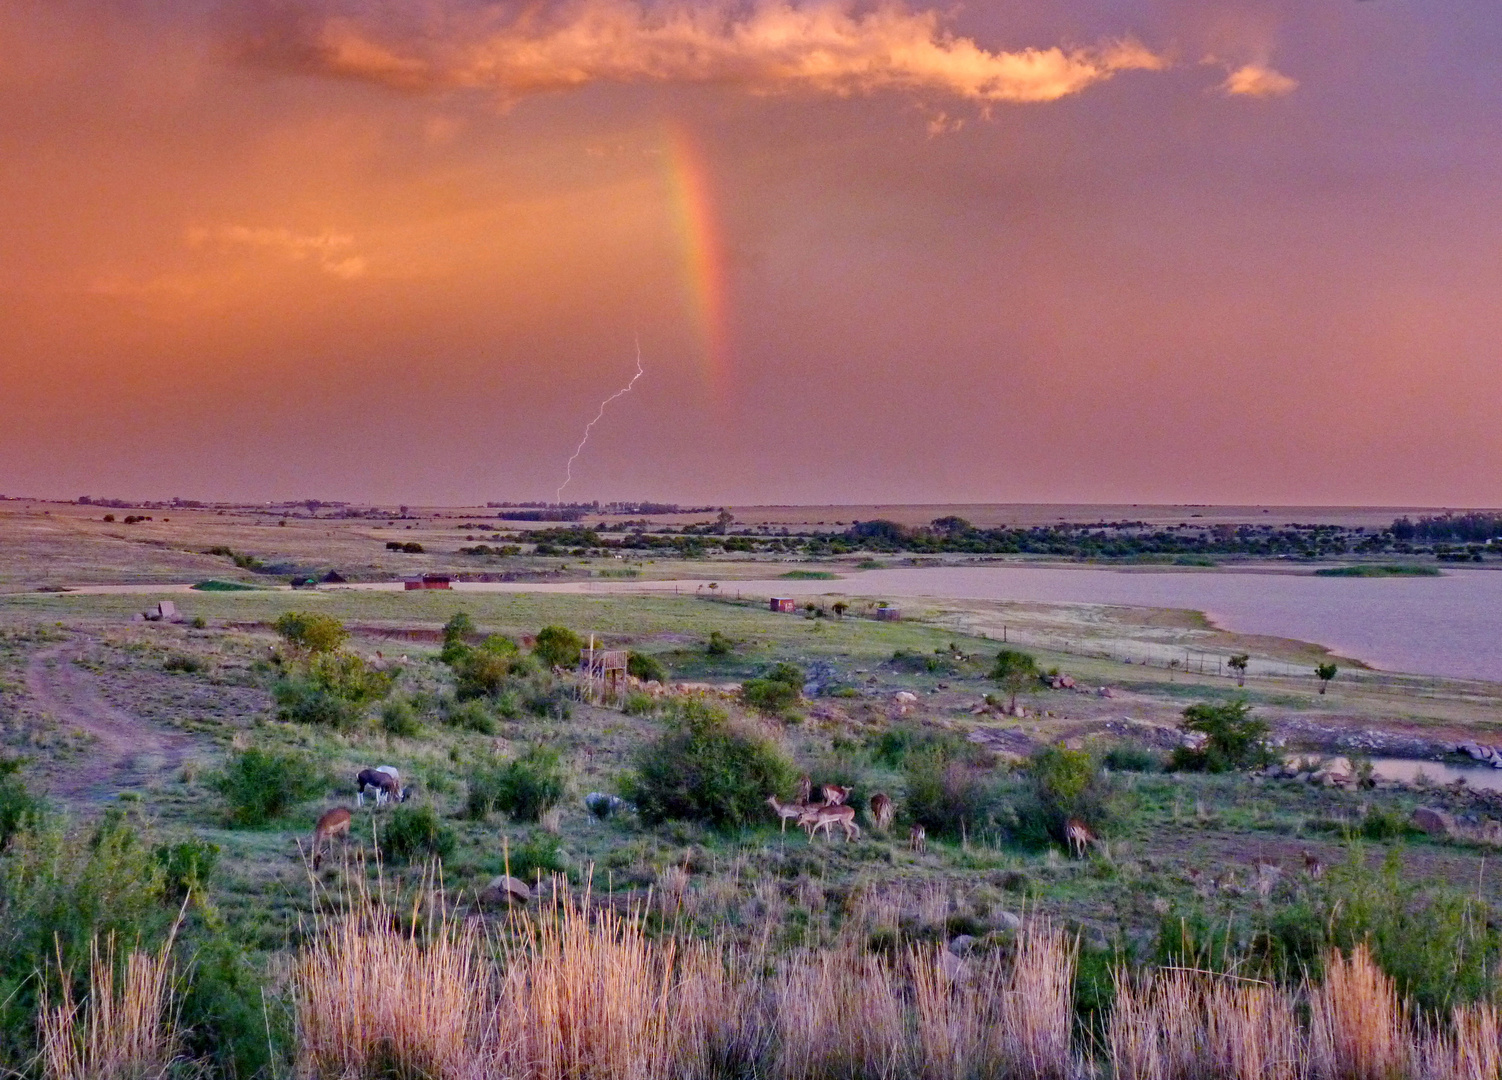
x,y
768,47
1258,80
331,251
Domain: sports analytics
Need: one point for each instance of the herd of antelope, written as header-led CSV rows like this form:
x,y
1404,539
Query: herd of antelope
x,y
834,810
383,782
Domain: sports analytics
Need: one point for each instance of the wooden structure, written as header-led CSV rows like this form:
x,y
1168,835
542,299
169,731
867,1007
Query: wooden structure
x,y
603,671
784,604
429,581
888,613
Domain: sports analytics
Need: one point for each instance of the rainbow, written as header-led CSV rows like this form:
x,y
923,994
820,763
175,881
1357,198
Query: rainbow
x,y
688,182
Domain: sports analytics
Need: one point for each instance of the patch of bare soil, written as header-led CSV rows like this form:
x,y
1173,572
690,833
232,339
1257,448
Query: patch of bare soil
x,y
127,752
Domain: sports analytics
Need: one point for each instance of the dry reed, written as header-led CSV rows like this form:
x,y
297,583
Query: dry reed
x,y
1358,1029
125,1030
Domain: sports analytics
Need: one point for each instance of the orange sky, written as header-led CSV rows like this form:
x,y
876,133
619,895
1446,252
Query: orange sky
x,y
1022,251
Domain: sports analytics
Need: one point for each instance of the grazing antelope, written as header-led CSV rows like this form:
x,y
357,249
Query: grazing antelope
x,y
333,823
834,795
787,811
815,818
917,839
1079,836
881,811
805,789
1313,865
384,781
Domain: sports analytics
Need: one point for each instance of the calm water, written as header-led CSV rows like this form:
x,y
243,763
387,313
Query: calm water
x,y
1477,777
1450,625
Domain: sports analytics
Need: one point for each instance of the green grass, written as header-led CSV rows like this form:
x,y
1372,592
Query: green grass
x,y
809,575
1382,570
223,586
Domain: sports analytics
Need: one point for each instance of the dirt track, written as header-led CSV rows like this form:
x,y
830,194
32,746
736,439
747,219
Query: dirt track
x,y
127,751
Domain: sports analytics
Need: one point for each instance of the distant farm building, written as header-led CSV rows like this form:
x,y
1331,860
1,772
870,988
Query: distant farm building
x,y
888,613
784,604
429,581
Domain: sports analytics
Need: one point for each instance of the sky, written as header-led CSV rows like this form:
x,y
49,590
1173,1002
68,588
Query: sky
x,y
1220,251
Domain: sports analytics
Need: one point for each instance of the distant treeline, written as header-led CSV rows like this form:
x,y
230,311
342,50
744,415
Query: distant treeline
x,y
1472,528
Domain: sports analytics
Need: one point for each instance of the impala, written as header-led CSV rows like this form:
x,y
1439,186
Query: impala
x,y
815,818
787,811
835,795
917,839
881,810
333,823
1079,836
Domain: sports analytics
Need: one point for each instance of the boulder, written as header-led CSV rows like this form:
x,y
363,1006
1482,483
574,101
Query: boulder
x,y
504,891
1009,920
1433,821
962,944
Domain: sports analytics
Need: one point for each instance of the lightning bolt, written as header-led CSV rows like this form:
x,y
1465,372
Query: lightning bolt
x,y
568,470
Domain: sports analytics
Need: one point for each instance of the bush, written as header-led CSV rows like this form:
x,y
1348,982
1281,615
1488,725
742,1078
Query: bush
x,y
540,856
718,645
557,646
332,689
182,662
491,670
776,691
1233,738
1133,757
473,715
1015,671
1063,784
312,632
19,808
707,768
260,785
399,719
415,832
525,788
549,701
225,1016
950,796
646,667
186,867
893,746
639,704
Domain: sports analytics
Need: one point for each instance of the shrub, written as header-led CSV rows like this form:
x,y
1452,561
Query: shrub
x,y
939,662
950,796
225,1018
639,704
1015,671
182,662
707,768
777,690
549,701
540,855
415,832
333,689
399,719
302,701
19,808
1133,757
312,632
186,867
718,645
260,785
525,788
557,646
1063,784
893,746
646,667
1233,738
473,715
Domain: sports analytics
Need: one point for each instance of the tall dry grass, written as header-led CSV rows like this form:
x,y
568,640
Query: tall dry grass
x,y
585,992
125,1030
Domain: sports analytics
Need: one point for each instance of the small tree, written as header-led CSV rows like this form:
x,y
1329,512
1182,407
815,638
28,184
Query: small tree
x,y
1238,664
259,785
558,646
1325,672
1234,738
1015,671
646,667
311,632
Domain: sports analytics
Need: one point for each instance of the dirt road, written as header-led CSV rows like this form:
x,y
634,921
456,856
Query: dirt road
x,y
126,753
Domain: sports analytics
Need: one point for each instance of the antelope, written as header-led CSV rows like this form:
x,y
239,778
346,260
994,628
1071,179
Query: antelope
x,y
917,839
834,795
333,823
881,811
1079,836
1313,866
815,818
787,811
385,781
805,789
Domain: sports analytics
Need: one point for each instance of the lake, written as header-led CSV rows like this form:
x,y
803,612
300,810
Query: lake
x,y
1449,625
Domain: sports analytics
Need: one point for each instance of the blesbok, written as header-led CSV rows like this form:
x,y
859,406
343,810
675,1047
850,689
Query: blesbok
x,y
881,810
1079,836
826,817
917,839
333,823
384,781
834,795
787,811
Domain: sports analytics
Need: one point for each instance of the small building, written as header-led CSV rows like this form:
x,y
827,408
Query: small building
x,y
784,604
604,670
429,581
888,613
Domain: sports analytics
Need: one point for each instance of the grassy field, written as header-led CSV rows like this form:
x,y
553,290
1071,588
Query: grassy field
x,y
128,724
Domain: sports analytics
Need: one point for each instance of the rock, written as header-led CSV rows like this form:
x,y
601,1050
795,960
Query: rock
x,y
504,891
955,970
1105,691
1433,822
1476,753
1008,920
962,944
